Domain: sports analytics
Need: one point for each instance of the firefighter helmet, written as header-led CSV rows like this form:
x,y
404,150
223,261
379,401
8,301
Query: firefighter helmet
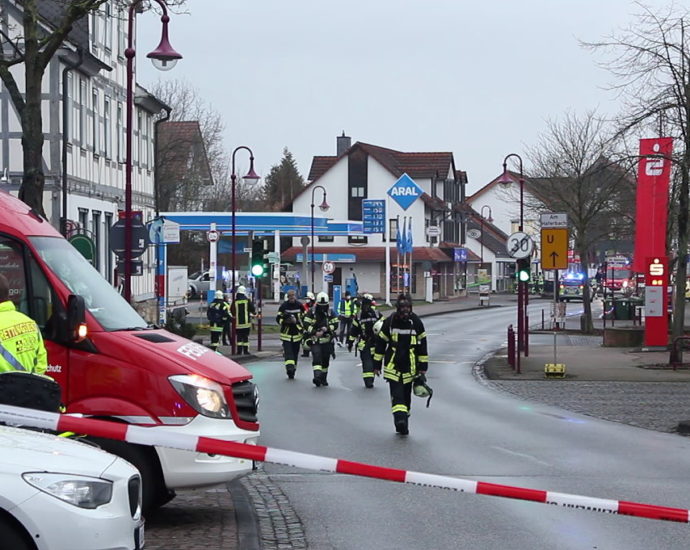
x,y
310,296
322,299
219,295
367,298
377,326
241,290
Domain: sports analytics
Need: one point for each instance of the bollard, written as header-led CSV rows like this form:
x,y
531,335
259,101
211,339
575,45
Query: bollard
x,y
511,347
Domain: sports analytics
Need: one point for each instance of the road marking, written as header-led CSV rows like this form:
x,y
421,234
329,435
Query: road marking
x,y
522,455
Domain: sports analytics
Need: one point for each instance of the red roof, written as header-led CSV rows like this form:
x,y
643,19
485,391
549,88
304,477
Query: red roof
x,y
415,165
370,253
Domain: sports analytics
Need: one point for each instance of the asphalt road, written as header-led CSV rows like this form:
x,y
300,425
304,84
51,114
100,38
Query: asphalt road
x,y
470,431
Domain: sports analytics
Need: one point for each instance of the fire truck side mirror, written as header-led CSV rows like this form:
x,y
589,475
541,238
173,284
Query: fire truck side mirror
x,y
76,318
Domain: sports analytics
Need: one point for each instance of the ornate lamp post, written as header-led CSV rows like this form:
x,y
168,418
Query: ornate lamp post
x,y
251,177
506,180
324,207
164,58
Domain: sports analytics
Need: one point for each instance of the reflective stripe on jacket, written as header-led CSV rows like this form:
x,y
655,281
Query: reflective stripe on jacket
x,y
315,320
346,308
243,310
363,328
402,346
21,337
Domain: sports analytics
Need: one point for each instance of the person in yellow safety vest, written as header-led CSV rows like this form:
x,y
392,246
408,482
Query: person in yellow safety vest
x,y
363,336
243,311
21,343
320,326
346,312
307,306
289,320
401,345
218,314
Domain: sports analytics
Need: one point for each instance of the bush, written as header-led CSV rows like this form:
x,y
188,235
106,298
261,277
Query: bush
x,y
180,326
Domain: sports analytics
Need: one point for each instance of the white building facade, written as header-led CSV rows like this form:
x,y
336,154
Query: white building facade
x,y
363,171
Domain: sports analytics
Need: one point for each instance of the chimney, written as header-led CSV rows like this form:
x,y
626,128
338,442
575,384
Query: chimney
x,y
342,144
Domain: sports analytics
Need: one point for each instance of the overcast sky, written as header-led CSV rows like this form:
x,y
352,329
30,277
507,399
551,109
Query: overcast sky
x,y
478,79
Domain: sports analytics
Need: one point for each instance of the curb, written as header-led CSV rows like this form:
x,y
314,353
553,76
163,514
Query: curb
x,y
245,517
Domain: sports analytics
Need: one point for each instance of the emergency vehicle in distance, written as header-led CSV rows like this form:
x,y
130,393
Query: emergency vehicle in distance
x,y
619,276
112,365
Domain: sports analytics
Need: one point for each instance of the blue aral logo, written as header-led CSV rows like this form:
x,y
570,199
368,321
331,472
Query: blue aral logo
x,y
405,191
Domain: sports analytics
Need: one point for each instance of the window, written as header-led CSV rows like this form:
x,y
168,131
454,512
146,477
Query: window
x,y
95,20
357,239
326,238
120,133
137,149
106,247
393,229
121,46
82,112
83,219
107,27
96,230
145,141
32,297
107,130
95,127
357,191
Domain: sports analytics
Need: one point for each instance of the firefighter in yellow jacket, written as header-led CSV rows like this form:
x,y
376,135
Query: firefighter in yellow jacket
x,y
401,345
320,325
243,311
20,338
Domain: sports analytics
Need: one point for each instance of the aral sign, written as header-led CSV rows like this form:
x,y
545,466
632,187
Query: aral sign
x,y
405,191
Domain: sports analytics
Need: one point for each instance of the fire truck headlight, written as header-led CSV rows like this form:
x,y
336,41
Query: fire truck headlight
x,y
203,395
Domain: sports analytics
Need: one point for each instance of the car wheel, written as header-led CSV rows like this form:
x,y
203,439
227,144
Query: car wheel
x,y
154,492
13,536
192,292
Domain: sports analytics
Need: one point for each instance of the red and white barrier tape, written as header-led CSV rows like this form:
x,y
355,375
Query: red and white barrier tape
x,y
150,436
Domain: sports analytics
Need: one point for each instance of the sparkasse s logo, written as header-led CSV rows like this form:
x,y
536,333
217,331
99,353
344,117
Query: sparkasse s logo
x,y
405,191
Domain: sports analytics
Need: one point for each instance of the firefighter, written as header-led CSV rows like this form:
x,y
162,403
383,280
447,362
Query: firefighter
x,y
307,306
289,320
218,314
363,337
21,343
346,312
243,311
320,326
401,345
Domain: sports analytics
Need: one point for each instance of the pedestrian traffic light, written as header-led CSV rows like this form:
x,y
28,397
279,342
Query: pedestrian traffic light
x,y
258,261
522,272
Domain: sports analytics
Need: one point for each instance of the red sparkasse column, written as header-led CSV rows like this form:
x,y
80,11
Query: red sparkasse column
x,y
654,171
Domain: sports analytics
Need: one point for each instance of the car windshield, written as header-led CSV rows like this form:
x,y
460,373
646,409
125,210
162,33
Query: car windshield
x,y
622,273
109,308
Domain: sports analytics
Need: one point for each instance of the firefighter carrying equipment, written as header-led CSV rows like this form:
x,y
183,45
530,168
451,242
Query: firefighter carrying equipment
x,y
289,319
421,389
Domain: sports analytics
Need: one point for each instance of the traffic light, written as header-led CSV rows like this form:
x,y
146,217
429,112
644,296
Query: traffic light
x,y
258,258
522,272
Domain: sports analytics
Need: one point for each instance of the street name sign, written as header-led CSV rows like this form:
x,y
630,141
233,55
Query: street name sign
x,y
373,216
405,191
519,245
554,248
553,220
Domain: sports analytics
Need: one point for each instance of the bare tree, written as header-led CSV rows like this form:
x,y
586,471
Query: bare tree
x,y
575,176
650,61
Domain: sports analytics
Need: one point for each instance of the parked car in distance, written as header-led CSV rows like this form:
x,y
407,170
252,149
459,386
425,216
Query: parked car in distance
x,y
59,494
199,283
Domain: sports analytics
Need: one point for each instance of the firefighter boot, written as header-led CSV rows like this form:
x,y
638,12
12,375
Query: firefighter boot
x,y
290,370
400,421
317,378
369,382
324,375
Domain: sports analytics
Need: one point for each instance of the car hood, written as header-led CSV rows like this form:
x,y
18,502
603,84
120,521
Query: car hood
x,y
25,451
170,354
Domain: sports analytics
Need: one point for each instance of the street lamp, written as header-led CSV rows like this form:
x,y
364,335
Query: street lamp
x,y
506,180
251,177
164,58
324,207
481,240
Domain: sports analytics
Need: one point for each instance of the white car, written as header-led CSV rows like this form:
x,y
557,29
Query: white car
x,y
59,494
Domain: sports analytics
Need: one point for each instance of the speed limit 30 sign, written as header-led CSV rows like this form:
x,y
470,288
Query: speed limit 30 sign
x,y
519,245
328,267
